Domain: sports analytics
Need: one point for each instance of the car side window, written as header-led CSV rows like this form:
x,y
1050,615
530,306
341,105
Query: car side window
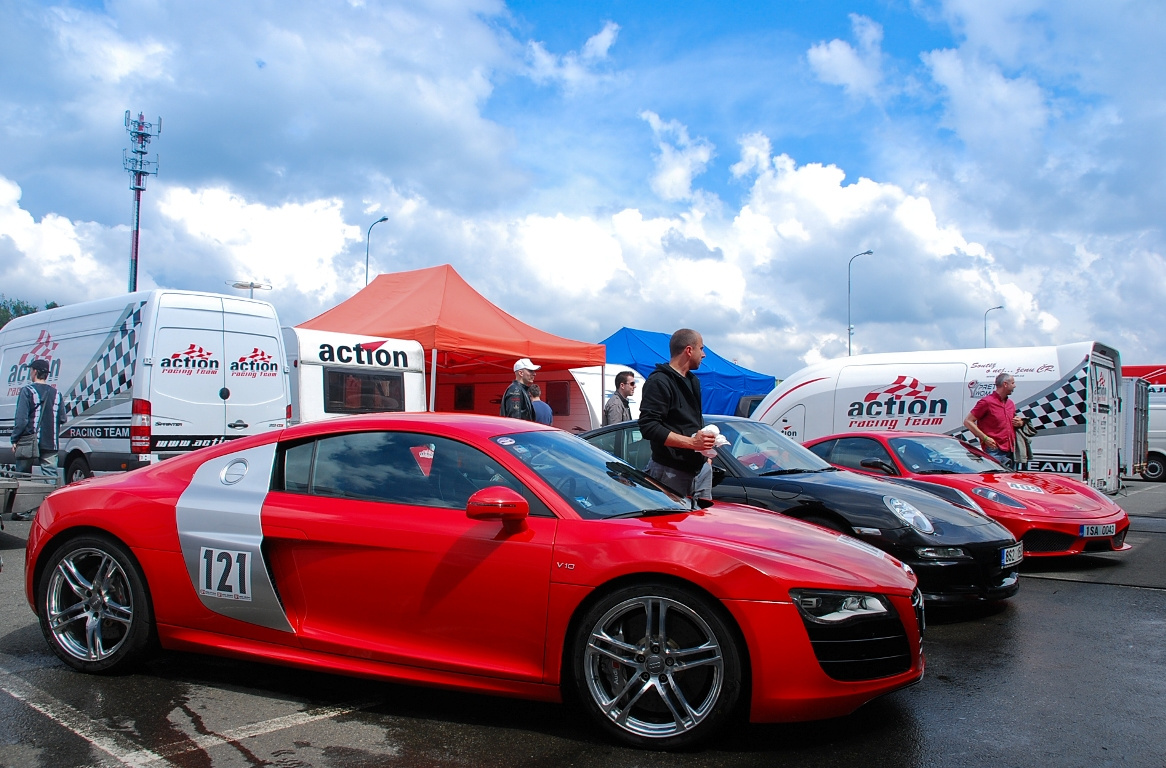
x,y
822,449
639,450
850,451
398,468
612,442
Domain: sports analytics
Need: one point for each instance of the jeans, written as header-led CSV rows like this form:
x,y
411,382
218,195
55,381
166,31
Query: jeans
x,y
697,485
1004,457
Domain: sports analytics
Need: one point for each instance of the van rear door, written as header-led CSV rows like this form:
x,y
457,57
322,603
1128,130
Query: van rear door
x,y
1101,441
188,374
257,398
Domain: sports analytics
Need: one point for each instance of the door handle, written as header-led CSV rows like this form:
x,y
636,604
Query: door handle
x,y
238,424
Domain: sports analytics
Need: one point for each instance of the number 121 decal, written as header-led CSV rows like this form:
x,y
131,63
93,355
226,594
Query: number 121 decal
x,y
224,573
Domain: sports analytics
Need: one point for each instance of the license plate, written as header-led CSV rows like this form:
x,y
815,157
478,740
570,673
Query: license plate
x,y
1090,531
1012,555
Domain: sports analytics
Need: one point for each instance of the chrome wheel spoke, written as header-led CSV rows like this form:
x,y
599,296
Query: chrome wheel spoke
x,y
690,658
93,639
671,695
58,620
621,715
72,576
616,650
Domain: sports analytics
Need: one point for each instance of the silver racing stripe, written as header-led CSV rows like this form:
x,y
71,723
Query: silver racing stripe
x,y
221,534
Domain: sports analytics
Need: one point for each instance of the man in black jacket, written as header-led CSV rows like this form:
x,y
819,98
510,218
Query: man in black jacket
x,y
516,402
670,419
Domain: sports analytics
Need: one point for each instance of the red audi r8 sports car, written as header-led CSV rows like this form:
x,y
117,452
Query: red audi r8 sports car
x,y
1050,514
477,553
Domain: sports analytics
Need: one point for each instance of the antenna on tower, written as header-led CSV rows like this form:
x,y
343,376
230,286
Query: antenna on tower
x,y
134,160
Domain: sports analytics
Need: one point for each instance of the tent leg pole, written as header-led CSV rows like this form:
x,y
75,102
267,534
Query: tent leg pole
x,y
433,381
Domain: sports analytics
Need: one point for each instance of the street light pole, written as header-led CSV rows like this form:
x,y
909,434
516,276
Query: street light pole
x,y
367,237
849,325
250,285
986,311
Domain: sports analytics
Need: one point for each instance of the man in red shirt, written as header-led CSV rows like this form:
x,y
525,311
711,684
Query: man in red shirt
x,y
994,421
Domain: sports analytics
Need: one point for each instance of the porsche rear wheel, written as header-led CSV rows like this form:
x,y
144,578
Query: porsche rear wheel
x,y
657,666
93,606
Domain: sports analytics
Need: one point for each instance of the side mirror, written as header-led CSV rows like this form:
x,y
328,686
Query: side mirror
x,y
880,465
497,503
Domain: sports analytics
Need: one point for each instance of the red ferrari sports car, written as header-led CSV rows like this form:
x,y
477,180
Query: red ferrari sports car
x,y
478,553
1050,514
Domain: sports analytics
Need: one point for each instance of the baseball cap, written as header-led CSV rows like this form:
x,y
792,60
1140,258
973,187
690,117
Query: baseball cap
x,y
40,366
526,364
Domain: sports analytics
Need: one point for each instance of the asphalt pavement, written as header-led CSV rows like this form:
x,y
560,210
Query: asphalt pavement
x,y
1070,672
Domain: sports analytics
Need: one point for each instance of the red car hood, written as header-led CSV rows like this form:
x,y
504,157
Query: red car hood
x,y
784,547
1045,494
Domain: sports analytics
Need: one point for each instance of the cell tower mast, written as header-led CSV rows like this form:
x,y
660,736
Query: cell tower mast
x,y
134,160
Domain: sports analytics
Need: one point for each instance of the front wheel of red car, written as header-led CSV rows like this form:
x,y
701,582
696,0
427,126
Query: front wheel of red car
x,y
93,606
657,666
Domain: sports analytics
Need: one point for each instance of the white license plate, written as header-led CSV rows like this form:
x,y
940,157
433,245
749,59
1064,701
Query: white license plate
x,y
1012,555
1089,531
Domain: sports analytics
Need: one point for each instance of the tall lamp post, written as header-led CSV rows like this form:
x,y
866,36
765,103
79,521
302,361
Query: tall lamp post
x,y
367,237
849,325
250,286
986,311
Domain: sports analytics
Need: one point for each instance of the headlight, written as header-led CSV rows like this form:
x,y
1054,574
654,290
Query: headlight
x,y
834,607
998,498
941,553
970,501
907,512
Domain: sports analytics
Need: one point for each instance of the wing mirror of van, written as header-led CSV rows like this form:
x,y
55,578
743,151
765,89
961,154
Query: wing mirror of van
x,y
497,503
879,465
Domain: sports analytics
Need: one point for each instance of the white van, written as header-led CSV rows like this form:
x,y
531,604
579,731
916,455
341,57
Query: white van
x,y
149,375
335,373
1070,392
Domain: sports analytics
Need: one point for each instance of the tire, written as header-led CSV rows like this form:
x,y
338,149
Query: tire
x,y
93,606
77,469
671,688
1155,468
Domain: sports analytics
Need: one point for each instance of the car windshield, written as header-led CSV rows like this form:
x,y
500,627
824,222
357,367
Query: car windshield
x,y
764,450
941,456
596,484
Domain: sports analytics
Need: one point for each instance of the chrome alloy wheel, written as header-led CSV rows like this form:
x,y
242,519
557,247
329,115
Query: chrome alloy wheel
x,y
654,667
89,605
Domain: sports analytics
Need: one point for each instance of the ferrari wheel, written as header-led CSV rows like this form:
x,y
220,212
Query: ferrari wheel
x,y
657,667
93,606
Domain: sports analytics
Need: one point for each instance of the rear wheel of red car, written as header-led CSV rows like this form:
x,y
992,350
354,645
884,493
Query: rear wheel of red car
x,y
93,606
657,666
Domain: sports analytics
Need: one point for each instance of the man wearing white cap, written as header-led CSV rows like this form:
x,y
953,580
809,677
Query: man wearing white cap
x,y
516,401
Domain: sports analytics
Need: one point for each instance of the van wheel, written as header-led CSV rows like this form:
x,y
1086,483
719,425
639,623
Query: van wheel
x,y
77,469
1155,468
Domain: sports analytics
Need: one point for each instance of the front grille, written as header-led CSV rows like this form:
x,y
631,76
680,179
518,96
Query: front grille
x,y
861,649
1048,541
1119,539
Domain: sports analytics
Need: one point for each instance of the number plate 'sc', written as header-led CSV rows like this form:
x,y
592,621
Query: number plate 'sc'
x,y
224,573
1011,555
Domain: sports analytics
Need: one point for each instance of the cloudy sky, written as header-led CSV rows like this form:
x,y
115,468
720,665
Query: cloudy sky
x,y
591,165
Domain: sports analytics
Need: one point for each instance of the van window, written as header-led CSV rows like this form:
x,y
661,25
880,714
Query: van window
x,y
348,391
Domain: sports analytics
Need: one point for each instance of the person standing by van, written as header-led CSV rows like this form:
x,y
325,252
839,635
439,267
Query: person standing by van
x,y
617,408
671,420
994,421
40,410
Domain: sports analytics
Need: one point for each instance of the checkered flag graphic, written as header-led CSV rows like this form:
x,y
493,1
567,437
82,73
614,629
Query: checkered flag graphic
x,y
258,355
903,386
1061,405
111,370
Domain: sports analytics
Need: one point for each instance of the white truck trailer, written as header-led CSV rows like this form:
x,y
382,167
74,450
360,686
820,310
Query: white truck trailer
x,y
1071,394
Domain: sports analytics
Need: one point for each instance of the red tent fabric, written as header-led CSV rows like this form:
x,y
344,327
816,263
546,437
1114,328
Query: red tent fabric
x,y
441,310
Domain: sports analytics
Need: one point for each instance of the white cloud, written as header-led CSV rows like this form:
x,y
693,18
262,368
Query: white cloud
x,y
859,70
680,158
572,70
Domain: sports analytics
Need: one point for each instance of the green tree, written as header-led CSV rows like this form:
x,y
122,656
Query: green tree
x,y
10,308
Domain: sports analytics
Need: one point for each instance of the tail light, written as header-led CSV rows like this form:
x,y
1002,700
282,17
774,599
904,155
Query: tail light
x,y
288,412
140,426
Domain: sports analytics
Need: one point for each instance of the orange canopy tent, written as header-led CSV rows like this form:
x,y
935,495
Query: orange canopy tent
x,y
460,330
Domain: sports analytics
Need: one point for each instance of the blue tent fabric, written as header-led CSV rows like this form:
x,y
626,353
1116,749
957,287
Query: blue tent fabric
x,y
722,383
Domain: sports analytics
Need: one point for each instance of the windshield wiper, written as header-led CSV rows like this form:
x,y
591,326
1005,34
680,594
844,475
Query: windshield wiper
x,y
937,472
650,513
796,471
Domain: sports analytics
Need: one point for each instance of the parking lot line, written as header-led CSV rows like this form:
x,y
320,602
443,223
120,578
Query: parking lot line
x,y
128,753
114,744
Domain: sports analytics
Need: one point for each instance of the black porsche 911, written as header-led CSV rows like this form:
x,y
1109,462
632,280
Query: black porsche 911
x,y
959,554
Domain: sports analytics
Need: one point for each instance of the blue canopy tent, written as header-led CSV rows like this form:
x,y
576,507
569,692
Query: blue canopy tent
x,y
722,383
